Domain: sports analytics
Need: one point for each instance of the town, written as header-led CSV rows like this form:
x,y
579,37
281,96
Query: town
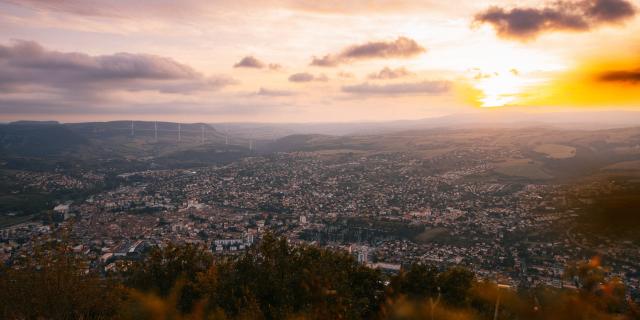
x,y
387,209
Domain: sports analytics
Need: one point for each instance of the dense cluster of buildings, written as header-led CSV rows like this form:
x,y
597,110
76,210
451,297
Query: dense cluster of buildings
x,y
387,209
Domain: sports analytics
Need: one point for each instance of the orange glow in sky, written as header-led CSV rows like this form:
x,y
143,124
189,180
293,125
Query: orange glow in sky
x,y
306,61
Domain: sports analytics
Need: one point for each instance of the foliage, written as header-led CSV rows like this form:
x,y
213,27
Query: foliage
x,y
54,284
275,280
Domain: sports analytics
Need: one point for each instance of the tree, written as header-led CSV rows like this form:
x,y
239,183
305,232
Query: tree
x,y
455,284
53,283
161,270
419,282
292,280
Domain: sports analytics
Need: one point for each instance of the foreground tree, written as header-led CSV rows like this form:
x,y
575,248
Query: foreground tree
x,y
286,280
275,280
53,283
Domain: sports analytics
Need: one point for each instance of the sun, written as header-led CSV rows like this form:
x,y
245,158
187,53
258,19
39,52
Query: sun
x,y
500,88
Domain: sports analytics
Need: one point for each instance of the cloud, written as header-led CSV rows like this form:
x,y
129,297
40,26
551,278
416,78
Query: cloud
x,y
610,10
32,59
584,15
187,8
402,47
359,6
307,77
417,88
629,76
605,81
274,93
249,62
194,110
253,62
387,73
28,68
301,77
346,75
81,8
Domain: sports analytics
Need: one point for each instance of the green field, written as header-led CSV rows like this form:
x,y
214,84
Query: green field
x,y
556,151
431,234
522,168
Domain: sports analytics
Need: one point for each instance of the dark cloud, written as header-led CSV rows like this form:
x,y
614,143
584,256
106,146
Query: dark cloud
x,y
610,10
583,15
417,88
28,68
387,73
307,77
400,48
275,66
249,62
274,93
632,76
32,59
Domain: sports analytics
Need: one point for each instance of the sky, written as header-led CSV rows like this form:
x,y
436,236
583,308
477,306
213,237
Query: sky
x,y
313,61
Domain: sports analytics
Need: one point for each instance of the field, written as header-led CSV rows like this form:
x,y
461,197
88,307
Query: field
x,y
522,168
7,221
431,234
633,165
556,151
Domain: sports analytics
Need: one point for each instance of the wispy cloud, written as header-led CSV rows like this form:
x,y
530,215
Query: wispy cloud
x,y
307,77
387,73
402,47
345,75
275,93
416,88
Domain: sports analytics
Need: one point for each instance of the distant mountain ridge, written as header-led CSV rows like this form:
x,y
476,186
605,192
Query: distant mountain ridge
x,y
42,138
588,120
29,138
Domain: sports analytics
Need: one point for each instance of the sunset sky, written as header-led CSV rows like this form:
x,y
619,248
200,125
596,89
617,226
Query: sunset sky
x,y
311,61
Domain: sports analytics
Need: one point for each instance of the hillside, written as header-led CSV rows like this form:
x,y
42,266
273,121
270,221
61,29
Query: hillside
x,y
529,153
92,140
39,139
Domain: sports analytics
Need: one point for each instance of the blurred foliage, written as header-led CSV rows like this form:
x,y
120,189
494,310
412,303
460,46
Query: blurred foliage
x,y
54,284
275,280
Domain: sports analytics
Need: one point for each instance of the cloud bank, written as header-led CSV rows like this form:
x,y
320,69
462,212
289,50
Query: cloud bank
x,y
34,79
28,64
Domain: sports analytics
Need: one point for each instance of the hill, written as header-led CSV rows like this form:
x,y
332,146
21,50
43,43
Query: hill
x,y
29,138
115,139
537,153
